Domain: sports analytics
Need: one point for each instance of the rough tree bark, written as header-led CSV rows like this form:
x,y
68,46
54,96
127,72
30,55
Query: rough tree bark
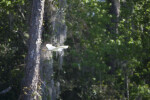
x,y
56,28
30,83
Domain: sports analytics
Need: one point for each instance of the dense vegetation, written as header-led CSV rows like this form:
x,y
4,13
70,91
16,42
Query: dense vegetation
x,y
100,64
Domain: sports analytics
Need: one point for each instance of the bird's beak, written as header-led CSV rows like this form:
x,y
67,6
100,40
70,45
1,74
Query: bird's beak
x,y
43,49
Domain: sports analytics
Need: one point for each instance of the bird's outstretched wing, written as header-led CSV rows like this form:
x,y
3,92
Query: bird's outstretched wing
x,y
64,47
57,49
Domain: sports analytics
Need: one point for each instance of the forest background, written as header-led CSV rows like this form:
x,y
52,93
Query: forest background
x,y
109,49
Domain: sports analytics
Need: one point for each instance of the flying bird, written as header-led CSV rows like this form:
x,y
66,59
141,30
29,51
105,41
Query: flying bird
x,y
53,48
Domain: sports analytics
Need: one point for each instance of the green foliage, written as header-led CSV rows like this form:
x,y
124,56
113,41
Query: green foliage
x,y
106,57
12,46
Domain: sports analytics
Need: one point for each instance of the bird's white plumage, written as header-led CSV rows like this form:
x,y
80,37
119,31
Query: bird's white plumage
x,y
53,48
50,47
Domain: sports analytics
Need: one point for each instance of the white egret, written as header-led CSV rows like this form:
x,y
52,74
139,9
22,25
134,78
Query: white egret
x,y
53,48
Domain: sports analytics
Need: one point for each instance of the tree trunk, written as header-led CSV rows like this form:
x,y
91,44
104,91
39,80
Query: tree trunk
x,y
115,11
57,29
126,86
30,83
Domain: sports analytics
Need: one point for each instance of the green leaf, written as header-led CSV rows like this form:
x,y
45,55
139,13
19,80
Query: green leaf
x,y
8,3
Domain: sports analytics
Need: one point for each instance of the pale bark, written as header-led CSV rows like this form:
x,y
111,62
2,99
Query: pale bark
x,y
127,86
55,16
48,89
30,85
